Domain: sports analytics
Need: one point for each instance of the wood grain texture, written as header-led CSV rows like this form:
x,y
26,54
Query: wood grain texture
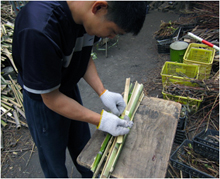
x,y
147,148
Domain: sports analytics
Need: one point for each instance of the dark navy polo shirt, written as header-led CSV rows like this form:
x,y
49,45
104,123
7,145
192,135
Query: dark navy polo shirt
x,y
49,49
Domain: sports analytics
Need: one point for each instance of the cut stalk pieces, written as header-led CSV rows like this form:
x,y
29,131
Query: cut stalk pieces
x,y
127,84
103,157
108,158
99,155
118,147
126,92
114,146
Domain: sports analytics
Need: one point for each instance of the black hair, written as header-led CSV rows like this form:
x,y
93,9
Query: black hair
x,y
128,15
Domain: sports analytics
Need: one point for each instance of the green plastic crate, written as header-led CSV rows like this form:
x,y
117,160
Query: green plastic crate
x,y
201,55
179,73
192,102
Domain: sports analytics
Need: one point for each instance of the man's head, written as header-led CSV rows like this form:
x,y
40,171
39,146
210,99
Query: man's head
x,y
128,15
109,18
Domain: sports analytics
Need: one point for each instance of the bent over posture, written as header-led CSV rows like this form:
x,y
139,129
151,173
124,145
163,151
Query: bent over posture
x,y
51,48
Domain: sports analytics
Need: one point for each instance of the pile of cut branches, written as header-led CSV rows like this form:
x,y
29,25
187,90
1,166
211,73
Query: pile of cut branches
x,y
185,91
208,114
204,14
166,30
206,88
7,13
207,91
207,14
7,30
12,109
203,21
195,160
206,117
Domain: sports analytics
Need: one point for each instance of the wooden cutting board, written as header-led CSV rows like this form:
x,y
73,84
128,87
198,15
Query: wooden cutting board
x,y
147,148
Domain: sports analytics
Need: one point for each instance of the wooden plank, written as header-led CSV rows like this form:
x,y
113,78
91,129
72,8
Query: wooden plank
x,y
147,148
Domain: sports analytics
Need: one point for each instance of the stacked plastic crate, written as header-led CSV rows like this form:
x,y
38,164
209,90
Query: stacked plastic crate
x,y
201,55
197,64
180,74
191,156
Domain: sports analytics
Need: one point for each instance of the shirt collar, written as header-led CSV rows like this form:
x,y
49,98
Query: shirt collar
x,y
67,10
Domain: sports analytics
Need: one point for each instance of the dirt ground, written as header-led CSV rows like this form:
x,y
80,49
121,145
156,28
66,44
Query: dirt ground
x,y
133,56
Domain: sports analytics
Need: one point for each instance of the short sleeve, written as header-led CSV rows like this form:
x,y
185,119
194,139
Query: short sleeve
x,y
41,61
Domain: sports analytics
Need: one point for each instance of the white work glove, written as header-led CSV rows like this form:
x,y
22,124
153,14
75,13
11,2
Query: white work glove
x,y
114,125
114,102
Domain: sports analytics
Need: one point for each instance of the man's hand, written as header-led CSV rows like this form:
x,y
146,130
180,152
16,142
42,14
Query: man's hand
x,y
113,124
114,102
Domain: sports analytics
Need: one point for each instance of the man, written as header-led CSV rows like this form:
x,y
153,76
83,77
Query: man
x,y
51,48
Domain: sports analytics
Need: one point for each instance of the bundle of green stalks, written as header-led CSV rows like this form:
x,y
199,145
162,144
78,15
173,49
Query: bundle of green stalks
x,y
11,103
105,161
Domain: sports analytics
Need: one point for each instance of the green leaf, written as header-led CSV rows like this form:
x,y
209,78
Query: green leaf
x,y
190,146
94,56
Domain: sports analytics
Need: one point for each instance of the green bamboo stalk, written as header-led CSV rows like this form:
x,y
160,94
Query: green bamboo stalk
x,y
8,98
108,157
20,111
4,31
130,91
134,95
9,55
13,122
18,125
15,104
6,103
6,106
138,89
9,25
126,92
111,160
11,100
5,112
3,81
3,123
133,106
109,163
19,92
16,95
129,96
3,98
16,91
125,136
99,155
103,157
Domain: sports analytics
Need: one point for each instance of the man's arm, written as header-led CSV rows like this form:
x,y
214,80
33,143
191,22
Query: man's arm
x,y
92,78
69,108
65,106
113,101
